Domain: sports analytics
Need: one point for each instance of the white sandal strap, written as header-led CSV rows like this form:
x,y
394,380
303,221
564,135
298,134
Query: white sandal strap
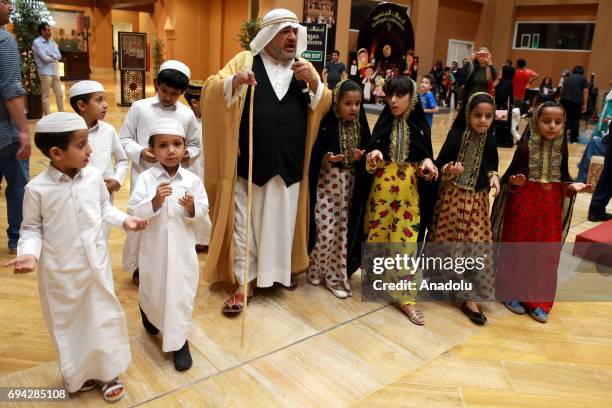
x,y
111,386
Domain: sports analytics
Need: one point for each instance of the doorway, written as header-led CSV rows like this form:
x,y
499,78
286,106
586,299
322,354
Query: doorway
x,y
118,26
458,50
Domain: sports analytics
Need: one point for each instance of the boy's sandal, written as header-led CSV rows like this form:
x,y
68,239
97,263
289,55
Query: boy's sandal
x,y
415,316
234,304
113,390
88,385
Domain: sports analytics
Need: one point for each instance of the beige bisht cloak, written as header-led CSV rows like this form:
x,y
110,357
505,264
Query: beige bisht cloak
x,y
221,127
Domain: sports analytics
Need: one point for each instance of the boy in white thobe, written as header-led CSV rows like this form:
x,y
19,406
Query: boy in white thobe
x,y
63,211
174,201
172,81
192,96
88,99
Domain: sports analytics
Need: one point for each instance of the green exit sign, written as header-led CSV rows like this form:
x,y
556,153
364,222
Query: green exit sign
x,y
313,55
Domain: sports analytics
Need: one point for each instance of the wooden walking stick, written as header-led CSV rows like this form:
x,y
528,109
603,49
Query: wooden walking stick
x,y
248,228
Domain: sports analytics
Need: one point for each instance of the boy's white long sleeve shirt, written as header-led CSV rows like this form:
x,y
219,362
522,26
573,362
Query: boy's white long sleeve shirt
x,y
105,146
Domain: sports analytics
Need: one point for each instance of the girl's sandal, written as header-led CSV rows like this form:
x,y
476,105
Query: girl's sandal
x,y
113,390
88,385
415,316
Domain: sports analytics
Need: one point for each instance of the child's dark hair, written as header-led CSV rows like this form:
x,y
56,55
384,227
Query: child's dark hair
x,y
551,104
190,97
430,78
41,26
173,78
482,98
46,140
399,86
348,86
85,98
544,80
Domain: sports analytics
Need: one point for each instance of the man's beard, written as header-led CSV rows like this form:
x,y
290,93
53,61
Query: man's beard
x,y
279,54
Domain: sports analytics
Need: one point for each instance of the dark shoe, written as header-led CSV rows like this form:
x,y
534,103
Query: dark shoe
x,y
476,317
600,217
136,277
182,358
152,330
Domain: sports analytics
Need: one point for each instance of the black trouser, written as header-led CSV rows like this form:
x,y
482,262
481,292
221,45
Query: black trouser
x,y
603,191
572,119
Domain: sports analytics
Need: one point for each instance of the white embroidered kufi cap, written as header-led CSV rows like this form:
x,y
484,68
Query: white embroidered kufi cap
x,y
178,65
273,22
60,122
167,126
86,87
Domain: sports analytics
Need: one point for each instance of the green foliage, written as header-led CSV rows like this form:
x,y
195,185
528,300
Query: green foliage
x,y
158,55
27,14
248,31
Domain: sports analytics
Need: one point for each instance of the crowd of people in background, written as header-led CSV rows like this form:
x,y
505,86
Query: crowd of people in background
x,y
518,86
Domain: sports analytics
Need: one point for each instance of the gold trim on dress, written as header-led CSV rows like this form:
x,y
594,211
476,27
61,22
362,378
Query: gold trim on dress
x,y
544,154
399,147
350,132
471,151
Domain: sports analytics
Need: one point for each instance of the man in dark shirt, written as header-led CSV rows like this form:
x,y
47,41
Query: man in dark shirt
x,y
603,191
574,97
14,138
334,71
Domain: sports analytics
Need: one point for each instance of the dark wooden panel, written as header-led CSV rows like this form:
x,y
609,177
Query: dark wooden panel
x,y
76,66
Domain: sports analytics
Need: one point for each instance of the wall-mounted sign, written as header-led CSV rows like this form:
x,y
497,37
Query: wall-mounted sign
x,y
316,50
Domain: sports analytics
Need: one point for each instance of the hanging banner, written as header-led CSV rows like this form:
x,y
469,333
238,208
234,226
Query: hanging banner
x,y
386,42
316,49
323,12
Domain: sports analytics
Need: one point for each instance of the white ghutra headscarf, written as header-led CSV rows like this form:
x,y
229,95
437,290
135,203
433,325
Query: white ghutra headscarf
x,y
273,22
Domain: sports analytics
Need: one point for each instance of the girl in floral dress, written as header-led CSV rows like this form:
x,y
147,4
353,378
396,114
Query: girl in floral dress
x,y
335,169
400,157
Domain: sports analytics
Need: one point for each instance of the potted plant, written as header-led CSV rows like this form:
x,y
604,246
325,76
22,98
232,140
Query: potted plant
x,y
158,55
248,31
26,16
